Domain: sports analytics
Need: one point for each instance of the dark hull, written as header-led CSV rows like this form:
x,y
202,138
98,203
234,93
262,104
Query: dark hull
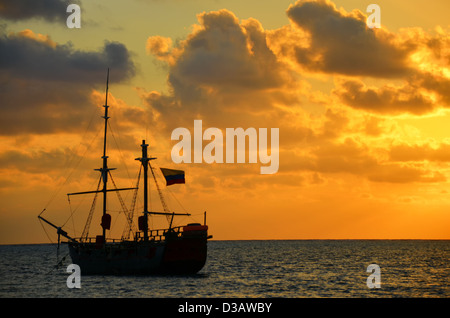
x,y
182,255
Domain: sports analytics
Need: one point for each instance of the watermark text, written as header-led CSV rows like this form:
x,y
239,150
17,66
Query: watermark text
x,y
374,279
213,152
74,19
74,279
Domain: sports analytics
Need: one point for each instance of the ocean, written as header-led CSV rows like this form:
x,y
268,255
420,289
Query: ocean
x,y
251,269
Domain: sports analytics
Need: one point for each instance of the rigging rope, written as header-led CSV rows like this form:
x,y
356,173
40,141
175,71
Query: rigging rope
x,y
73,159
161,197
48,236
128,214
171,193
129,228
118,148
85,233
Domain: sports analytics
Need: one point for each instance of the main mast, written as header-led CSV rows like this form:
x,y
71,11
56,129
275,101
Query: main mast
x,y
144,160
145,163
104,170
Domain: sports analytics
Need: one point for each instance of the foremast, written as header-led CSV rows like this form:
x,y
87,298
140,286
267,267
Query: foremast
x,y
105,170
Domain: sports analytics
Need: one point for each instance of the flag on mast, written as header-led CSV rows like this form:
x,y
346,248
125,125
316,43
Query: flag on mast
x,y
173,176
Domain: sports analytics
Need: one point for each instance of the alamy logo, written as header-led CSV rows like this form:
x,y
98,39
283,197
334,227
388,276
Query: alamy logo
x,y
214,150
74,19
374,279
74,279
374,20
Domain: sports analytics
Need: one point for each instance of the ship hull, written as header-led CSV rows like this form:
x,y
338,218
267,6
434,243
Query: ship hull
x,y
178,256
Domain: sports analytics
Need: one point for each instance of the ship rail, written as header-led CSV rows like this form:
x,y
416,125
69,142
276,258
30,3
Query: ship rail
x,y
159,234
153,235
93,240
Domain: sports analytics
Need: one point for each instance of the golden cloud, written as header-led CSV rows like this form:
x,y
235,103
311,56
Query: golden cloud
x,y
233,73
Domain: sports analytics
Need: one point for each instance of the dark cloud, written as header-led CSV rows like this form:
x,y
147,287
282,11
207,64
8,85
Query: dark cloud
x,y
384,100
421,93
340,42
42,107
50,10
46,87
233,73
325,39
226,54
224,72
30,56
435,83
42,160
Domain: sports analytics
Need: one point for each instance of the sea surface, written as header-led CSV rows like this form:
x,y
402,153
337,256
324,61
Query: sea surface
x,y
250,269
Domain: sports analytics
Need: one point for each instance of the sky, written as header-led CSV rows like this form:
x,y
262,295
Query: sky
x,y
362,114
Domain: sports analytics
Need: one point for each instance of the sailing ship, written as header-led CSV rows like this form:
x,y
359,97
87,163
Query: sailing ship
x,y
173,250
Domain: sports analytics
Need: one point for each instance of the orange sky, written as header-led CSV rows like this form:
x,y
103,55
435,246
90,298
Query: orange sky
x,y
362,114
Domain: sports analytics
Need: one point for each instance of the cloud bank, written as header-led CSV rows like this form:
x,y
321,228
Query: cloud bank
x,y
46,86
49,10
234,73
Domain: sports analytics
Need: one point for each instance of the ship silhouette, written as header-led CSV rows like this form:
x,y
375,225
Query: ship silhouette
x,y
171,250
